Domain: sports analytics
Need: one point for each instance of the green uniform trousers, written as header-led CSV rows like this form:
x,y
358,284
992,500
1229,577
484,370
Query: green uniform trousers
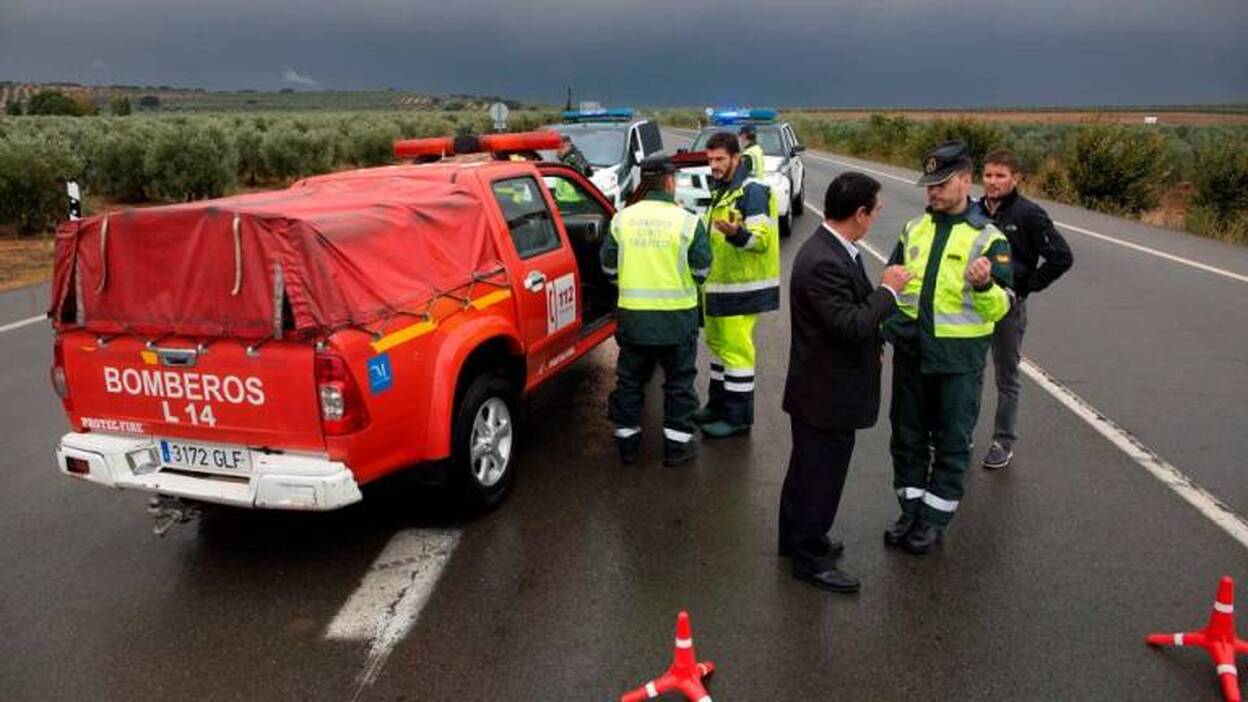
x,y
636,364
931,411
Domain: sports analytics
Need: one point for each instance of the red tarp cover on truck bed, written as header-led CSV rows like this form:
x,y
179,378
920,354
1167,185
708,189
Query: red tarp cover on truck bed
x,y
351,248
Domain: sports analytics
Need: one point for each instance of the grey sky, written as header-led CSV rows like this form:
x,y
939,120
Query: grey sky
x,y
786,52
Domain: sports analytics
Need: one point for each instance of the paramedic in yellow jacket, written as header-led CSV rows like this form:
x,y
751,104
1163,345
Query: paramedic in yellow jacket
x,y
744,282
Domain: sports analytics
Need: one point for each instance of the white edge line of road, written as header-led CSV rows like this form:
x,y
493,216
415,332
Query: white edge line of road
x,y
390,597
1184,486
21,323
1080,230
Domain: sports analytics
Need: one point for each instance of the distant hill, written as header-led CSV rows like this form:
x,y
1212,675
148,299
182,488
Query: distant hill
x,y
173,99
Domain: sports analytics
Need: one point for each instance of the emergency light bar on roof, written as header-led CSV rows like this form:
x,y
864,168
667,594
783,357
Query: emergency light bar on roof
x,y
489,143
728,116
615,114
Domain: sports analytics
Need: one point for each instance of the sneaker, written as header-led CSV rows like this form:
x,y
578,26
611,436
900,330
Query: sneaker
x,y
998,457
722,430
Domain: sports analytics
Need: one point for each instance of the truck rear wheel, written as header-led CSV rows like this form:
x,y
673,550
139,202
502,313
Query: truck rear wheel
x,y
484,436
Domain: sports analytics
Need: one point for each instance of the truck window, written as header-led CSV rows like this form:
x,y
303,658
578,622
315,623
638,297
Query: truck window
x,y
532,231
651,139
571,199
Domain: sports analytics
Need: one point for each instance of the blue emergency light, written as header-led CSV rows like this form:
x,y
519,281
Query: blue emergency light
x,y
615,114
726,116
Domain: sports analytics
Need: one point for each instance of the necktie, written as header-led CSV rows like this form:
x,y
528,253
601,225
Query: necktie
x,y
861,268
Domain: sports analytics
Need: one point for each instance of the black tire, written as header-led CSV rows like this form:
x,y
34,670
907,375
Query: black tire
x,y
786,224
798,208
476,485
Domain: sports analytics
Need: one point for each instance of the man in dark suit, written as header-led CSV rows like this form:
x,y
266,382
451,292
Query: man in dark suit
x,y
833,385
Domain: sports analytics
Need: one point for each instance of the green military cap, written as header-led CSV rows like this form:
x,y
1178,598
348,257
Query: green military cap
x,y
943,162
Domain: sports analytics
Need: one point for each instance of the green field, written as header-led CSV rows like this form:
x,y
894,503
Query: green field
x,y
1190,170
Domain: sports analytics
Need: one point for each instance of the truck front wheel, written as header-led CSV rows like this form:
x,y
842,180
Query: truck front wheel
x,y
484,436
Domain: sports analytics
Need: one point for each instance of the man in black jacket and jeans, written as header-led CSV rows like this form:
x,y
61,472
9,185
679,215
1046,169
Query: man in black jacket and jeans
x,y
1041,256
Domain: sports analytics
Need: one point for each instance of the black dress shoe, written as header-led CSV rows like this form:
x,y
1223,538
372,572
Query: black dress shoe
x,y
835,549
923,538
826,578
896,534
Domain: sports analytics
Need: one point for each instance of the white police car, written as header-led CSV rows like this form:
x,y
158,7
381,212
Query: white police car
x,y
614,142
784,172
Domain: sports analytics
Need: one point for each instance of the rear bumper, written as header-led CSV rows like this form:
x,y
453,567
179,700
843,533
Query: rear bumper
x,y
278,480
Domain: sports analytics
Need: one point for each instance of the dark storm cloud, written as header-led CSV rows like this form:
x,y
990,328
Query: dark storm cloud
x,y
789,52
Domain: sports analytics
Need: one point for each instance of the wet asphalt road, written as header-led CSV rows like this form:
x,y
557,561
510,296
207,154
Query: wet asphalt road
x,y
1053,572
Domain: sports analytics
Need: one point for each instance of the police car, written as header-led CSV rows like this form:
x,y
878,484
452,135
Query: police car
x,y
614,142
784,172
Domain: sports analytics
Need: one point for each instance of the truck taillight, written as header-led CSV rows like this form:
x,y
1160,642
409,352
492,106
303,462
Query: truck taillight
x,y
342,406
59,382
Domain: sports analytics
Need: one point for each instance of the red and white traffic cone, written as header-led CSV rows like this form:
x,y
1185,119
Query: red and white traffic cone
x,y
1217,638
685,674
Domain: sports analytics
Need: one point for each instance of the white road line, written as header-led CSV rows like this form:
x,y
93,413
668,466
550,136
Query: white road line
x,y
1197,496
1184,486
1078,230
386,605
21,323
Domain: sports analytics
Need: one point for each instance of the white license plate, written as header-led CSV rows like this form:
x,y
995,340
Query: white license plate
x,y
189,455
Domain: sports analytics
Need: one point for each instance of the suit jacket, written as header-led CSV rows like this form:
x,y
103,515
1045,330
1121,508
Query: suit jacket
x,y
834,356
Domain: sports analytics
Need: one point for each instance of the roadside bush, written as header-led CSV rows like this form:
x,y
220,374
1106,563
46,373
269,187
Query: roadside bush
x,y
1221,177
289,153
188,162
1035,145
887,136
1050,181
836,135
119,106
980,137
1118,169
33,172
1206,221
372,144
116,165
247,142
53,102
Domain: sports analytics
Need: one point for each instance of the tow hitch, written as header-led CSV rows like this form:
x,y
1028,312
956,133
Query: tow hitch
x,y
168,511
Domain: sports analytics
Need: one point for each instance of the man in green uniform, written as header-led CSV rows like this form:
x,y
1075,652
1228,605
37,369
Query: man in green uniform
x,y
751,152
941,335
744,282
572,156
659,253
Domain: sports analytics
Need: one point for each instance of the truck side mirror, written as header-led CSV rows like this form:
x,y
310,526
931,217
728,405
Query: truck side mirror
x,y
798,148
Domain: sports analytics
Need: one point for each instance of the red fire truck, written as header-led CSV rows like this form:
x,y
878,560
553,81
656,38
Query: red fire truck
x,y
281,349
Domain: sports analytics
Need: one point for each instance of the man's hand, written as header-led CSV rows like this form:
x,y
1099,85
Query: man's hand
x,y
978,272
727,228
896,277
